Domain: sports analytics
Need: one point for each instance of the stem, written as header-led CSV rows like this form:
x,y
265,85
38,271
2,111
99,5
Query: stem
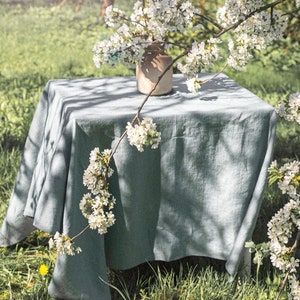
x,y
210,20
117,145
257,272
184,53
293,250
136,116
216,75
80,233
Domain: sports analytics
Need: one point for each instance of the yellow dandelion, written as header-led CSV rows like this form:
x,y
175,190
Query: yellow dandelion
x,y
4,296
43,269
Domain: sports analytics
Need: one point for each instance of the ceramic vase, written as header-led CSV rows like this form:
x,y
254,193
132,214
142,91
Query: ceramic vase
x,y
155,61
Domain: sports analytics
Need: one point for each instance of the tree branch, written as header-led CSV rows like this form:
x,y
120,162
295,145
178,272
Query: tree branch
x,y
210,20
80,233
185,52
137,115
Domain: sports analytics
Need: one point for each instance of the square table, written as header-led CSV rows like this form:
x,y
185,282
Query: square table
x,y
198,194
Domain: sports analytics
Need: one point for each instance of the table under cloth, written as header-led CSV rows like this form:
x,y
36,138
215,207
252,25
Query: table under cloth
x,y
198,194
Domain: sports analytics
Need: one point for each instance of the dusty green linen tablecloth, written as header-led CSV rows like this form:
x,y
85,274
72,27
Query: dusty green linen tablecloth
x,y
198,194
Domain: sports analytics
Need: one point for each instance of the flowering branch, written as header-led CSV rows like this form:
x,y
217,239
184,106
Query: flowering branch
x,y
286,221
154,24
137,115
284,281
114,150
248,16
80,233
184,53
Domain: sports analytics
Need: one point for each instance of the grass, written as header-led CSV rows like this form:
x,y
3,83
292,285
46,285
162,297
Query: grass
x,y
189,278
19,278
40,44
9,161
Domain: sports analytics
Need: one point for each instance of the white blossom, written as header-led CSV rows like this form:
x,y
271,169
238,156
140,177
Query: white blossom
x,y
285,223
63,244
256,32
158,19
193,85
290,172
97,205
280,230
143,134
290,109
95,176
294,287
113,16
201,56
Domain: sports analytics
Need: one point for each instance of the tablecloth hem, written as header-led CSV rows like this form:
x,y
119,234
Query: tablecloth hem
x,y
12,234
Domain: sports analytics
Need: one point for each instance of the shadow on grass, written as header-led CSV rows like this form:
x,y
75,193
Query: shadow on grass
x,y
132,281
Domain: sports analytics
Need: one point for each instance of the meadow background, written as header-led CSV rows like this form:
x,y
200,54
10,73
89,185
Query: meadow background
x,y
40,42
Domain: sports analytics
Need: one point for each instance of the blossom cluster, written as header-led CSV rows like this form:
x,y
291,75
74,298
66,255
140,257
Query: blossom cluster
x,y
290,109
294,287
160,18
201,56
97,205
288,176
256,32
144,26
285,223
281,229
143,134
252,27
63,244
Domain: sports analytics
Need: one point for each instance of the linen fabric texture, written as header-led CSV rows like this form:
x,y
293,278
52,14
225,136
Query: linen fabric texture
x,y
198,194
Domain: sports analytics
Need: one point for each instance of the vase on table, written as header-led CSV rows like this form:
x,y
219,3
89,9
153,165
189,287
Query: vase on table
x,y
154,63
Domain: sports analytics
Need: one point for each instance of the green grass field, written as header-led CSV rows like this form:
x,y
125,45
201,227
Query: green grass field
x,y
39,43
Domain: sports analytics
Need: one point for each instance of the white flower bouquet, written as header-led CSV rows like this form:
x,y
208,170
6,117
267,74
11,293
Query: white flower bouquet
x,y
252,25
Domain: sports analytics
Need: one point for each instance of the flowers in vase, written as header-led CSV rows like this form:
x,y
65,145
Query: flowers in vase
x,y
147,24
252,24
